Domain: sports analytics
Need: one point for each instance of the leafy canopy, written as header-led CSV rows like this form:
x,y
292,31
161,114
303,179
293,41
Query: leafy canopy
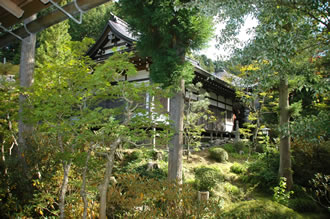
x,y
166,33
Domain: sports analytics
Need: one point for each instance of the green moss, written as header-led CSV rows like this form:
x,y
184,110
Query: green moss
x,y
237,168
219,154
206,178
256,209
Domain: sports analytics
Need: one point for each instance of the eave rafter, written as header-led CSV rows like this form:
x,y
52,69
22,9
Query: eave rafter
x,y
12,8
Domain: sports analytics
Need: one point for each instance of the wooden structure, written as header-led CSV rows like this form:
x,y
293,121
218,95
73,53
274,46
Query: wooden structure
x,y
14,12
116,34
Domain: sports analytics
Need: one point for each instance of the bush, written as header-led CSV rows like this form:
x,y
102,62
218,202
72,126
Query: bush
x,y
206,178
232,189
135,155
136,197
239,146
229,148
218,154
314,156
259,209
321,189
303,205
280,194
237,168
264,171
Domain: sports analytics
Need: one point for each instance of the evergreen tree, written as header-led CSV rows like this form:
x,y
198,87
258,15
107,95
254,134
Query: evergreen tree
x,y
166,32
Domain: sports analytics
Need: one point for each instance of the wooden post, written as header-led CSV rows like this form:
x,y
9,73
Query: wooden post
x,y
203,196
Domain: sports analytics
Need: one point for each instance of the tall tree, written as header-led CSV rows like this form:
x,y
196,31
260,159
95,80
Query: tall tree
x,y
166,33
24,128
286,30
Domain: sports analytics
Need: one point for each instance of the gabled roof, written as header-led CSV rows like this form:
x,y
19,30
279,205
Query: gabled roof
x,y
120,29
116,26
229,78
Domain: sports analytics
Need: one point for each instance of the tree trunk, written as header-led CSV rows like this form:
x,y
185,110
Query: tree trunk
x,y
105,184
24,129
64,187
285,154
83,186
175,152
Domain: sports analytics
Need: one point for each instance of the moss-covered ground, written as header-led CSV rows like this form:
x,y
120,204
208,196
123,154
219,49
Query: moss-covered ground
x,y
240,199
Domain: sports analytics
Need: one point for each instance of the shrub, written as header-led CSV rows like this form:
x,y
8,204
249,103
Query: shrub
x,y
321,189
206,178
264,171
136,197
229,148
239,146
218,154
280,194
303,205
314,156
135,155
237,168
232,189
259,209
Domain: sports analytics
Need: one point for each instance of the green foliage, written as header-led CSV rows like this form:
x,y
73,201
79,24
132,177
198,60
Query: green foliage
x,y
55,46
137,197
218,154
135,155
195,110
239,146
321,190
308,159
237,168
259,209
167,36
302,128
229,148
281,195
137,163
303,205
264,171
206,178
231,189
93,23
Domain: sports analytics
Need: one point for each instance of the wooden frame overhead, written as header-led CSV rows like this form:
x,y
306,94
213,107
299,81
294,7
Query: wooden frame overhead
x,y
31,7
15,11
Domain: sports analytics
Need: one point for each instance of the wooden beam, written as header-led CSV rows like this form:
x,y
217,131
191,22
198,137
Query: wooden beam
x,y
30,7
50,19
12,8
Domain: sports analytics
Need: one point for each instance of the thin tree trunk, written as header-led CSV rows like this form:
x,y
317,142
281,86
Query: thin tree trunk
x,y
24,129
175,153
105,184
64,187
83,186
285,154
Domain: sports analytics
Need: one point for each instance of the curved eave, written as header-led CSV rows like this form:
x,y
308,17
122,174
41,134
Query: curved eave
x,y
101,40
214,83
120,34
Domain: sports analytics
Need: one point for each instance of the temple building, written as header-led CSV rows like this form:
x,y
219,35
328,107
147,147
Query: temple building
x,y
116,34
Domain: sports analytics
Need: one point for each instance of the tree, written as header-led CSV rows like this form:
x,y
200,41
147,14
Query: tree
x,y
128,123
196,110
286,30
24,128
93,23
166,33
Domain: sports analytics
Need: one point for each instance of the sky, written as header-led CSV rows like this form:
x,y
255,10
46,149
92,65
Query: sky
x,y
214,53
